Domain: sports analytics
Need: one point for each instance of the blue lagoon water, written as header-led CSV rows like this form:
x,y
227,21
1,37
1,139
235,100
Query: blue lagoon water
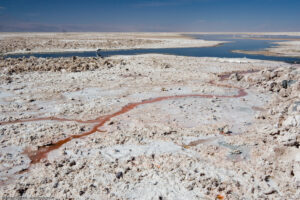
x,y
235,42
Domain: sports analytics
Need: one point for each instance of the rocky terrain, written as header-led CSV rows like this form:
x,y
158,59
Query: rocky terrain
x,y
149,127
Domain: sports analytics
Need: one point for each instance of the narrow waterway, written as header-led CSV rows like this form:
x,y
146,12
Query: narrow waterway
x,y
235,42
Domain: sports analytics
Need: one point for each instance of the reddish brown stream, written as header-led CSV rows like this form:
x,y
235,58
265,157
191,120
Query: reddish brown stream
x,y
41,152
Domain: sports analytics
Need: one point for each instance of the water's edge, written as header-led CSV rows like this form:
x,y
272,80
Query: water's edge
x,y
224,50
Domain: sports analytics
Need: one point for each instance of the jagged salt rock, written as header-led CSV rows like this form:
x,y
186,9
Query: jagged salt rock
x,y
292,121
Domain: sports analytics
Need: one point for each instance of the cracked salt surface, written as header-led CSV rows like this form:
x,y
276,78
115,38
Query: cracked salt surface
x,y
12,161
94,93
3,97
193,112
123,152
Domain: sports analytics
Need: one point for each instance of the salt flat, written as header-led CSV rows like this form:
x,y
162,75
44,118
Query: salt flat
x,y
146,126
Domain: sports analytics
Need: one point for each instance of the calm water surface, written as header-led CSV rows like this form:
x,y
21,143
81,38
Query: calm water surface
x,y
222,51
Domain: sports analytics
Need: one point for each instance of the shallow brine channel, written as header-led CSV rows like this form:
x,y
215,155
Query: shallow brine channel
x,y
235,42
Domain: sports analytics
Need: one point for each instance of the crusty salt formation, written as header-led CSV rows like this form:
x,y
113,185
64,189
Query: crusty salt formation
x,y
149,126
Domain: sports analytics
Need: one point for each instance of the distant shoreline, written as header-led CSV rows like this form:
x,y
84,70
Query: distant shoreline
x,y
93,41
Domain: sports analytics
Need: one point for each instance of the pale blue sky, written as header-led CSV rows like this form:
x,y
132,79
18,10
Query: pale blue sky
x,y
149,15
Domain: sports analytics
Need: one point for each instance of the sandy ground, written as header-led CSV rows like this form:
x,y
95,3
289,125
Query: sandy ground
x,y
284,48
11,43
149,127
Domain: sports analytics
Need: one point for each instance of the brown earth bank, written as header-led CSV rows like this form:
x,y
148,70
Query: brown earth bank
x,y
149,127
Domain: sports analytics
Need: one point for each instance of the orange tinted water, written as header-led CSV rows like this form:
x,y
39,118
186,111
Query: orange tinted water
x,y
42,152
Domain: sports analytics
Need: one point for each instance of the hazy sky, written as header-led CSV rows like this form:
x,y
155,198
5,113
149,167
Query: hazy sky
x,y
150,15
